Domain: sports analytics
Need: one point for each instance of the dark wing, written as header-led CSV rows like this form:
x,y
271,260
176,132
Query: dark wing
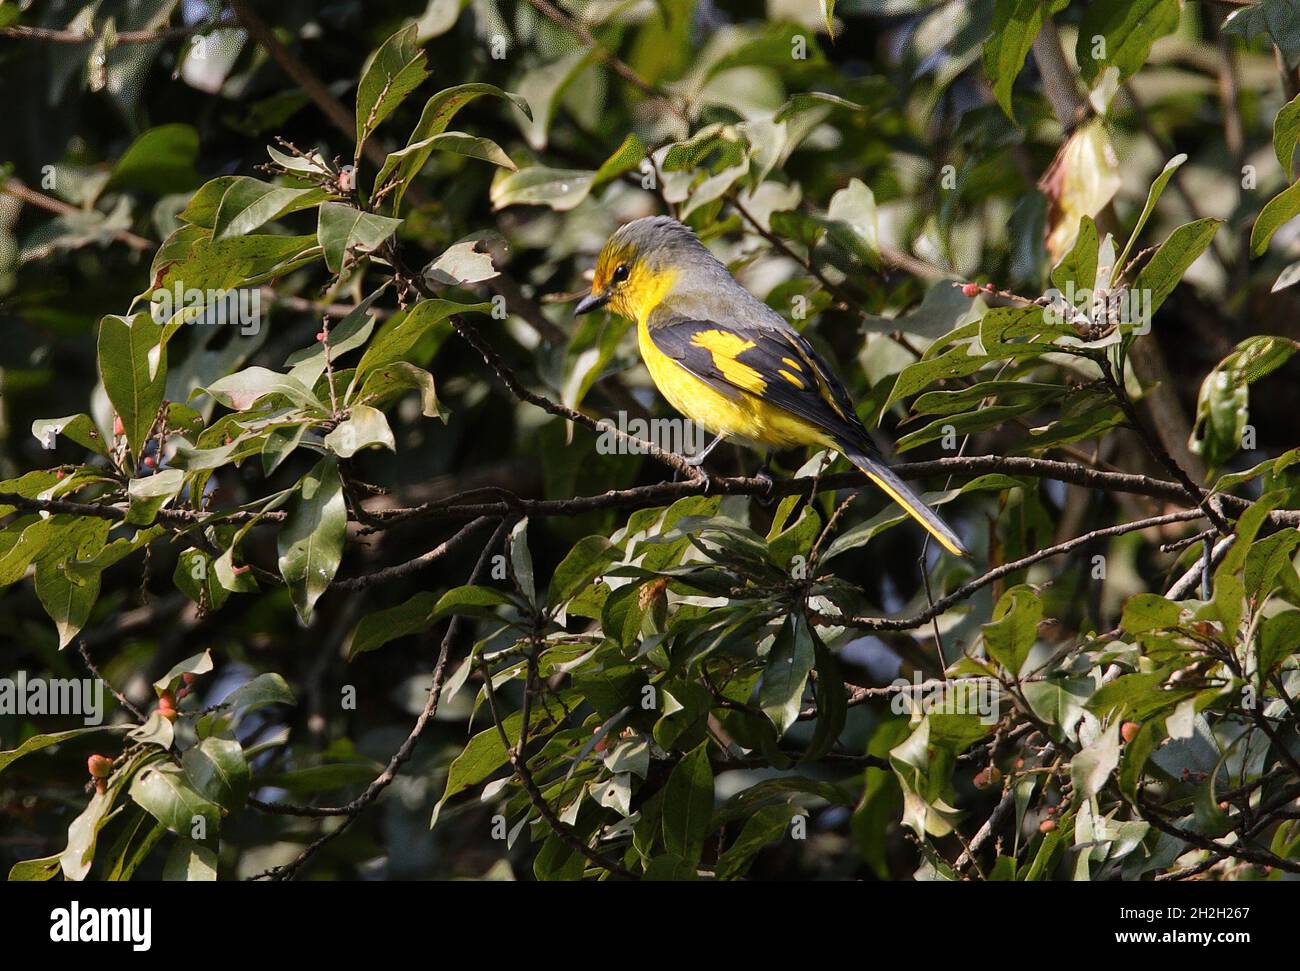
x,y
778,366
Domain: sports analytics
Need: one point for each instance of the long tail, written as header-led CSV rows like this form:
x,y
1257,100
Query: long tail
x,y
901,493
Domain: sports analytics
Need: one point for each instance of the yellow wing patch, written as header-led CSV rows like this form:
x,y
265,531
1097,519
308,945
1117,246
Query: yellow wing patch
x,y
790,377
725,347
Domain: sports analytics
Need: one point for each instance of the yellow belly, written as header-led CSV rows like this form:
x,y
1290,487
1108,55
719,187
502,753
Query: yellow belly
x,y
743,417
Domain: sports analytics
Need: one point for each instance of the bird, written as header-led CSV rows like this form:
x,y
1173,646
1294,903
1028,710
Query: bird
x,y
726,360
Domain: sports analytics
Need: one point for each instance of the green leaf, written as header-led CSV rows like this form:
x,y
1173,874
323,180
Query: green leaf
x,y
789,663
1279,638
669,867
38,742
68,591
1015,25
44,868
1166,268
149,494
404,165
133,367
1153,196
1091,767
1135,756
344,230
377,629
851,222
471,601
1147,612
198,664
956,363
190,861
388,381
832,708
76,428
1286,132
1127,28
440,109
765,827
542,87
311,542
588,559
364,427
160,161
243,390
83,834
1078,268
1222,406
390,74
1279,211
537,185
1014,630
352,331
265,689
248,203
521,561
688,805
165,792
219,771
241,261
1266,559
626,158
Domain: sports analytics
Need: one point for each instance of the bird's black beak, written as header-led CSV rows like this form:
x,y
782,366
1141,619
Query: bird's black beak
x,y
592,301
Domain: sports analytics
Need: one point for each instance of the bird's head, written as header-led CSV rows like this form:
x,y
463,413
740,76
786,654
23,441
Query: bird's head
x,y
640,264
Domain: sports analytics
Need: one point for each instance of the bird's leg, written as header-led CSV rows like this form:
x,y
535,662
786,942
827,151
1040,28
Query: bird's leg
x,y
764,475
696,462
698,458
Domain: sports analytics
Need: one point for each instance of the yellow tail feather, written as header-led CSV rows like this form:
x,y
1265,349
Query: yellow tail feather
x,y
918,512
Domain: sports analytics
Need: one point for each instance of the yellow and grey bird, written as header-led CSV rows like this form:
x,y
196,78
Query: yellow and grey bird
x,y
726,360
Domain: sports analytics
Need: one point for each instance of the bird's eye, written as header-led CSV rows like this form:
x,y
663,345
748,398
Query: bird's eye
x,y
621,273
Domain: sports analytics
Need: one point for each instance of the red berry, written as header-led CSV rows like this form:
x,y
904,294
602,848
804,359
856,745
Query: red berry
x,y
320,336
970,289
188,678
100,766
150,461
183,693
1128,731
59,474
118,428
990,288
1047,825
